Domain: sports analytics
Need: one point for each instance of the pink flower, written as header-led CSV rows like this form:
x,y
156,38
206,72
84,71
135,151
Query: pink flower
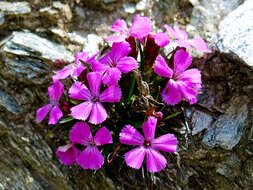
x,y
67,154
55,91
181,84
147,146
93,98
140,28
90,158
152,44
75,70
183,41
115,62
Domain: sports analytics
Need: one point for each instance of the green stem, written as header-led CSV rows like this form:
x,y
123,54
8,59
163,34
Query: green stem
x,y
131,90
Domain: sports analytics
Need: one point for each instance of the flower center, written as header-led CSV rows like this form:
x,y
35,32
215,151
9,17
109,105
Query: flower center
x,y
147,143
92,143
54,102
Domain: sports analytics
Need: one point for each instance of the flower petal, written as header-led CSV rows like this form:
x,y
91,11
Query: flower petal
x,y
161,68
119,50
55,115
135,157
119,26
79,91
81,56
42,112
98,114
97,66
111,94
155,160
55,91
119,38
81,111
181,34
103,136
141,27
182,60
127,64
80,133
161,39
67,154
171,94
129,135
77,71
188,93
171,31
200,45
90,158
183,43
149,128
63,73
112,76
94,80
166,143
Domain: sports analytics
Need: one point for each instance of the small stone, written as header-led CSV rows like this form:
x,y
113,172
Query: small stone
x,y
15,8
93,43
227,130
129,8
200,121
1,18
9,103
142,5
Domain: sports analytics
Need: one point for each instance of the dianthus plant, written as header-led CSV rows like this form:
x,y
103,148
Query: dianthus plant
x,y
109,92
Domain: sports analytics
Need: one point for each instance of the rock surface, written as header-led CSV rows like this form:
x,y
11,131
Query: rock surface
x,y
235,33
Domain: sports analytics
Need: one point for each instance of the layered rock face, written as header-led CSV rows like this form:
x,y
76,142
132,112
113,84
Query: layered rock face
x,y
216,144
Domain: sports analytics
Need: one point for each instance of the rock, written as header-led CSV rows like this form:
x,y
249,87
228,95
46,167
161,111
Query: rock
x,y
200,121
32,45
57,12
230,168
26,161
15,8
10,103
1,18
227,131
93,43
129,8
207,14
24,53
142,5
235,34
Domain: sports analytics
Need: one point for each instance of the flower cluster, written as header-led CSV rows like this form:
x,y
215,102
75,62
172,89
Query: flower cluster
x,y
96,83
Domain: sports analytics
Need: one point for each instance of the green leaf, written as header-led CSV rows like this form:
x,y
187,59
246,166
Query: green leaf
x,y
172,115
68,119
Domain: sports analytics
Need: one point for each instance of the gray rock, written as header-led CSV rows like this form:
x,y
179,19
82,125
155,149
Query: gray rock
x,y
207,14
1,18
200,121
9,103
32,45
93,43
15,8
235,33
25,56
227,131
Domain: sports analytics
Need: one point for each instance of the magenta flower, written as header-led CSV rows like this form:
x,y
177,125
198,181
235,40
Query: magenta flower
x,y
140,28
55,91
183,41
147,146
67,154
75,70
181,84
115,62
92,105
90,158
